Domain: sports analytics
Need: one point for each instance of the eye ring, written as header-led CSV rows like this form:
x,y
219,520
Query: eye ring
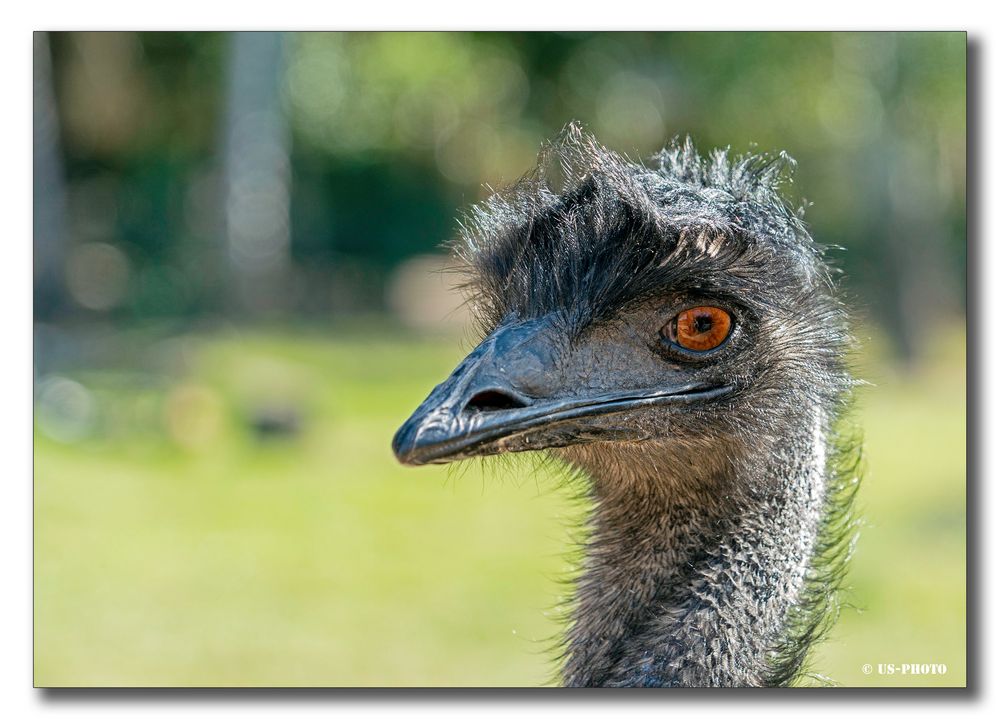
x,y
699,329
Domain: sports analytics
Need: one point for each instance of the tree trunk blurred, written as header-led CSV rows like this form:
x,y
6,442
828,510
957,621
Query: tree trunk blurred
x,y
257,176
915,286
49,207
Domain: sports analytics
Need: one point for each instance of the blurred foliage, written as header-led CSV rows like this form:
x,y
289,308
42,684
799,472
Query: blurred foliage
x,y
175,544
393,133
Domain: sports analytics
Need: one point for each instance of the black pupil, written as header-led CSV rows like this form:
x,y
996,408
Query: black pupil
x,y
702,323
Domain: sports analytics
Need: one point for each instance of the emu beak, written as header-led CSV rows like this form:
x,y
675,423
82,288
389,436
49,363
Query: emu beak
x,y
508,396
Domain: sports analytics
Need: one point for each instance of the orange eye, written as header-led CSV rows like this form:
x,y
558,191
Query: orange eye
x,y
699,329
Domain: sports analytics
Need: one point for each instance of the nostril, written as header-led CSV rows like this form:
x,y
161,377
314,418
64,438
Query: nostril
x,y
492,400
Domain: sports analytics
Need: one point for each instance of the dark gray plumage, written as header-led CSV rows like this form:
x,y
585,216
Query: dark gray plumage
x,y
721,494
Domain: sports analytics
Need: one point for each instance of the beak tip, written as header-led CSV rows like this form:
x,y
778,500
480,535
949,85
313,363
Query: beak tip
x,y
404,445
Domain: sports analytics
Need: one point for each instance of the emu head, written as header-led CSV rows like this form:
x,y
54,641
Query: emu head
x,y
680,307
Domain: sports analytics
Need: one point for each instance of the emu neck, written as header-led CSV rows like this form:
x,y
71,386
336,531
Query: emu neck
x,y
689,580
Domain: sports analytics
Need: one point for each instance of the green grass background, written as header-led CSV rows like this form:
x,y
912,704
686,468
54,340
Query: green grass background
x,y
182,551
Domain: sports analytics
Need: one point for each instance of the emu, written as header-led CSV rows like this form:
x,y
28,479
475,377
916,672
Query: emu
x,y
672,334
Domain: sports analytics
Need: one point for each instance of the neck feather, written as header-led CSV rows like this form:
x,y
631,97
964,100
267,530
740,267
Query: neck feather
x,y
693,580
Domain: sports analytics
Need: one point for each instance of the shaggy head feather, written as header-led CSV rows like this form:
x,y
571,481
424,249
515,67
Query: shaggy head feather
x,y
718,537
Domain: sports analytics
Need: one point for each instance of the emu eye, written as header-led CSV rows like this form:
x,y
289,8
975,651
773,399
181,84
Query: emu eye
x,y
699,329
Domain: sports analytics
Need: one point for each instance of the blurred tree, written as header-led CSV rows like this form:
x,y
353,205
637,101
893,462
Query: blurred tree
x,y
49,208
257,174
